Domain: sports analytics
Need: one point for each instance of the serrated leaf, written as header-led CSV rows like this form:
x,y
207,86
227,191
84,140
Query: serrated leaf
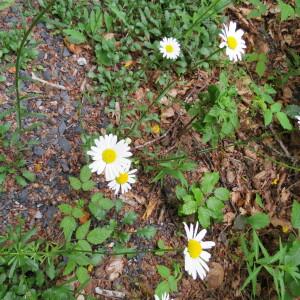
x,y
284,120
222,193
82,230
29,175
286,10
65,208
88,185
295,217
204,217
129,218
85,173
189,207
21,181
68,224
77,212
82,274
276,107
147,232
209,181
198,195
268,116
99,235
163,271
259,220
75,183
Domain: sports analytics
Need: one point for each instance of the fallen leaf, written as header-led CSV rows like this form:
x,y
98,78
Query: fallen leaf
x,y
76,49
12,70
85,217
149,210
215,276
115,268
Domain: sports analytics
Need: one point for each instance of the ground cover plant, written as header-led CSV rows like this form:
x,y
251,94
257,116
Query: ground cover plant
x,y
149,149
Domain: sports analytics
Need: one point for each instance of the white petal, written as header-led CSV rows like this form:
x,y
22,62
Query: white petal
x,y
207,245
201,235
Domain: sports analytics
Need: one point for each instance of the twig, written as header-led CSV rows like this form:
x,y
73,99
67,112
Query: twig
x,y
109,293
279,141
57,86
158,138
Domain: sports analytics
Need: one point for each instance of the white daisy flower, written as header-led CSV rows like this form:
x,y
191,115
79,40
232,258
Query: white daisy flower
x,y
164,296
110,156
195,258
298,120
123,181
232,40
170,48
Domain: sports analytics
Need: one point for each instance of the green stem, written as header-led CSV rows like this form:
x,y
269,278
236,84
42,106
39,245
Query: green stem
x,y
200,18
19,54
207,58
104,252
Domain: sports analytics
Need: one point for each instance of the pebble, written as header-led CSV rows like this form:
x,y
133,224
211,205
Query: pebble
x,y
64,144
47,75
81,61
64,95
38,215
64,165
62,127
37,150
66,52
23,195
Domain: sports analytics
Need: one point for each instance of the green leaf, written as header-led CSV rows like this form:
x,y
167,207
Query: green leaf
x,y
163,271
74,36
2,178
29,176
180,191
65,209
147,232
88,185
71,264
99,235
216,206
292,110
21,181
222,193
162,288
68,224
77,212
102,202
204,217
6,4
258,200
129,218
209,181
82,275
197,194
189,207
261,64
50,271
75,183
85,173
292,258
276,107
82,230
295,217
268,116
286,10
83,245
259,220
284,120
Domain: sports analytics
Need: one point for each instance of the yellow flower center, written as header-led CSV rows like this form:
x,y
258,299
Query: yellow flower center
x,y
194,248
155,129
109,155
122,178
169,48
232,42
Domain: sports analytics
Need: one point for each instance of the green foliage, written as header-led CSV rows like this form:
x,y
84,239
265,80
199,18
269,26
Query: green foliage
x,y
29,267
264,101
174,167
296,215
283,266
258,220
216,112
259,10
170,279
147,232
261,59
83,182
204,200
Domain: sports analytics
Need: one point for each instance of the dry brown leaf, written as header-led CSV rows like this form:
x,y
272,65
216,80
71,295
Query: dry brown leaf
x,y
150,208
114,268
76,49
167,113
215,276
12,70
285,225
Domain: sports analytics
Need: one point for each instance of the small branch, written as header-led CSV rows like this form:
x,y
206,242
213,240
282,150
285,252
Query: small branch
x,y
57,86
109,293
279,141
158,138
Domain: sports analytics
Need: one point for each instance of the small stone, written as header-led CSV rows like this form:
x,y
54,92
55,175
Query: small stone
x,y
23,196
37,150
64,165
81,61
215,276
64,95
47,75
62,127
64,144
66,52
38,215
80,297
